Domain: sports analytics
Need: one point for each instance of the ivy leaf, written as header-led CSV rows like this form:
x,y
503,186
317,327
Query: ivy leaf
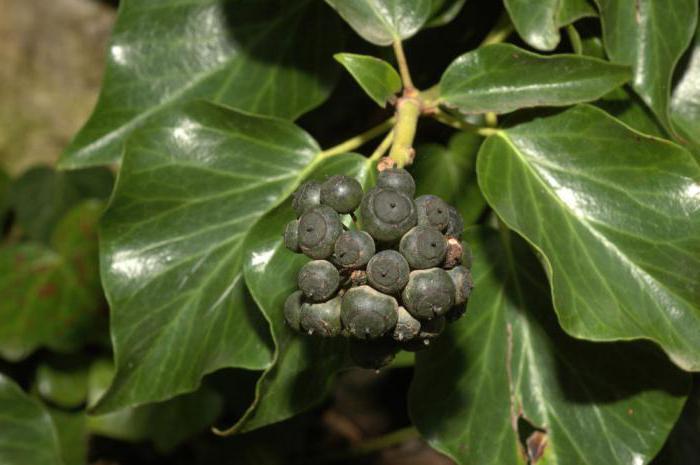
x,y
501,78
443,11
383,21
538,22
614,213
506,370
52,296
449,172
650,36
267,57
165,423
192,185
376,77
28,434
72,436
304,367
685,104
681,448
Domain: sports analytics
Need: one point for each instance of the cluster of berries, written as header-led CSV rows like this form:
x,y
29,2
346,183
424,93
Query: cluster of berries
x,y
392,284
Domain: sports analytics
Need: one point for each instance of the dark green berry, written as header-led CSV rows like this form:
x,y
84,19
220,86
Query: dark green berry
x,y
373,354
429,293
387,214
455,224
307,196
319,228
388,272
433,211
291,236
455,313
399,179
342,193
424,247
318,280
368,314
292,310
322,319
353,249
431,329
407,327
463,282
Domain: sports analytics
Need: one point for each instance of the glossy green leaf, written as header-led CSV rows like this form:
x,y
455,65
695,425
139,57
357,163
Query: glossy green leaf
x,y
383,21
443,11
28,434
41,196
64,387
501,78
538,22
43,302
449,172
191,187
685,104
72,436
165,423
304,367
650,36
266,56
614,213
507,367
376,77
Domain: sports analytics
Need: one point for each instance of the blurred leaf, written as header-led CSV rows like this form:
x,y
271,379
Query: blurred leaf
x,y
268,57
4,189
538,22
682,447
72,436
28,434
191,187
449,172
41,196
443,11
685,104
376,77
304,367
63,386
502,77
650,36
507,371
165,423
383,21
614,214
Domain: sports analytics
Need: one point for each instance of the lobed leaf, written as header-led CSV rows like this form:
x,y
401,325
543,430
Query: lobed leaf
x,y
192,185
269,57
376,77
383,21
504,384
615,215
650,36
502,78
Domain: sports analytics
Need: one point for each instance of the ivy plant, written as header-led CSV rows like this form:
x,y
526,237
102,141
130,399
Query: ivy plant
x,y
565,132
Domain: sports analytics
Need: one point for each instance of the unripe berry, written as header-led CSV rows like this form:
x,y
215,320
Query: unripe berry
x,y
342,193
455,224
388,272
368,314
373,354
291,236
462,279
399,179
407,327
424,247
353,249
429,293
319,228
433,211
387,214
322,319
292,310
318,280
307,196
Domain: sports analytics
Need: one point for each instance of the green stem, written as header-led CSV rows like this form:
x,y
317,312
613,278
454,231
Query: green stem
x,y
500,32
403,66
408,110
449,120
383,147
574,39
359,140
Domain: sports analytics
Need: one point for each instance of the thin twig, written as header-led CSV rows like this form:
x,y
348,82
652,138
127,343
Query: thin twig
x,y
359,140
403,67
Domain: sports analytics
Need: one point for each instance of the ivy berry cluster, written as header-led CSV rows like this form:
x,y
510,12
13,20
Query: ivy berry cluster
x,y
392,284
